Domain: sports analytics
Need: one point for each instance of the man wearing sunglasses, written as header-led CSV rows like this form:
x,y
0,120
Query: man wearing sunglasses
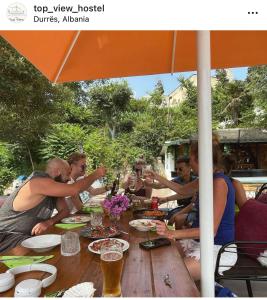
x,y
184,175
77,162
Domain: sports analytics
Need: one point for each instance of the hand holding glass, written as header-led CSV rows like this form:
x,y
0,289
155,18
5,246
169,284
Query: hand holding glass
x,y
132,182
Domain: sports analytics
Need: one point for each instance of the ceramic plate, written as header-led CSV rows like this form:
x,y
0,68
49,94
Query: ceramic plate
x,y
96,245
100,232
142,224
42,243
76,220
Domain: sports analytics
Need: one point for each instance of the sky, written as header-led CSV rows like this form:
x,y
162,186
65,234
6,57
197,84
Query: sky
x,y
143,85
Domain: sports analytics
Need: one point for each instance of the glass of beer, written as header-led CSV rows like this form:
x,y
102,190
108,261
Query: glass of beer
x,y
111,265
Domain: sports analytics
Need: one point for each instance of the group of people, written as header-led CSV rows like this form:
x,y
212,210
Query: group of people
x,y
227,192
64,186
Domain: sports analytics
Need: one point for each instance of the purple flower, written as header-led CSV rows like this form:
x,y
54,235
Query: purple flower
x,y
116,205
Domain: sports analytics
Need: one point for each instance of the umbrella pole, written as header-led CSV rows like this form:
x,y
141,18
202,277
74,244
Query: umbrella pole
x,y
205,162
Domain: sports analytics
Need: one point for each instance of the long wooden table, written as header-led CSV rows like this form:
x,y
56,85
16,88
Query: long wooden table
x,y
143,271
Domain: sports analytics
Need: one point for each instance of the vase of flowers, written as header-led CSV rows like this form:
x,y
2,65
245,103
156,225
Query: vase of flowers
x,y
116,205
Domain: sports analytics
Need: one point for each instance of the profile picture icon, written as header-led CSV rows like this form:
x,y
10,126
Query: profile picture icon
x,y
16,12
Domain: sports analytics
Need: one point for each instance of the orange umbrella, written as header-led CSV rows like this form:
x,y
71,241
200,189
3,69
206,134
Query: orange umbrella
x,y
82,55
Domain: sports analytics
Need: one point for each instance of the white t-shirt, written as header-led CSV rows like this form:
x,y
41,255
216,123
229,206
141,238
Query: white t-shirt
x,y
84,196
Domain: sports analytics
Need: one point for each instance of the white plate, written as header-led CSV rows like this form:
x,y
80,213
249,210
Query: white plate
x,y
142,224
124,247
42,243
76,220
82,290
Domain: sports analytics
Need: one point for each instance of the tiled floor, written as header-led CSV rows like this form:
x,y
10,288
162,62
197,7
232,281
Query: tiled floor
x,y
259,289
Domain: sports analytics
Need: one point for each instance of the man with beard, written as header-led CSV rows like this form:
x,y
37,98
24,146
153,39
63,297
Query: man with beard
x,y
28,210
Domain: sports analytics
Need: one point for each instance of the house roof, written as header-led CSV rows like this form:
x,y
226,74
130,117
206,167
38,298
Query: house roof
x,y
231,136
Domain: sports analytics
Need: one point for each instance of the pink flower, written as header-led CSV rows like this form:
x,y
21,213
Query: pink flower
x,y
117,204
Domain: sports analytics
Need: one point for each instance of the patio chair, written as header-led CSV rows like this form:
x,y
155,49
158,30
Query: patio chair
x,y
246,268
261,195
251,242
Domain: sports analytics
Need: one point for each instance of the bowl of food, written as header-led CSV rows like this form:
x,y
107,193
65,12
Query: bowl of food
x,y
152,214
143,224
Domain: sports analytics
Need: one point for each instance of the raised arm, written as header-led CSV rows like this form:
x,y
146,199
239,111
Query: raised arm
x,y
187,190
219,202
97,191
49,187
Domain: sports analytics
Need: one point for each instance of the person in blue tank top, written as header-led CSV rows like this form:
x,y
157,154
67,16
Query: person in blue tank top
x,y
224,212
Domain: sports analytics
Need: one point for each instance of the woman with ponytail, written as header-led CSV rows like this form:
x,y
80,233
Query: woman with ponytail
x,y
223,211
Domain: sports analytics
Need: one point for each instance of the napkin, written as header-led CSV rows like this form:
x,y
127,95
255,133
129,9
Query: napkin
x,y
11,262
88,209
69,226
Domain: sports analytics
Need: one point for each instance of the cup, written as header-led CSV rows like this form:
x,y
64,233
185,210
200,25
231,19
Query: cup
x,y
96,219
111,259
132,182
137,203
70,244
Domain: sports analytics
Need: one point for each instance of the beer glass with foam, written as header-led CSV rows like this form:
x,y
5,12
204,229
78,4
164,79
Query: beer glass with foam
x,y
111,266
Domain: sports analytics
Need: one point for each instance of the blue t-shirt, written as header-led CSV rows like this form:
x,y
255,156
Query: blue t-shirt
x,y
226,229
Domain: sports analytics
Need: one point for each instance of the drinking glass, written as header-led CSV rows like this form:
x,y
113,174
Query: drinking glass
x,y
111,257
70,244
96,219
132,182
136,203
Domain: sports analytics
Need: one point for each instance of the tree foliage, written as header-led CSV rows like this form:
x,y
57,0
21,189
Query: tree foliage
x,y
109,101
40,120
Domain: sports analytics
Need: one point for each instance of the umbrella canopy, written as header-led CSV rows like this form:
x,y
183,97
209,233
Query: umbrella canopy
x,y
82,55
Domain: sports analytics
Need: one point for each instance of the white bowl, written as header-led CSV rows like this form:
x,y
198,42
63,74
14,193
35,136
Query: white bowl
x,y
139,224
42,243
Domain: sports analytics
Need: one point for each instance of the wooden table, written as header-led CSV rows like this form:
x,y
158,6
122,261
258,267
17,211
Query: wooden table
x,y
143,270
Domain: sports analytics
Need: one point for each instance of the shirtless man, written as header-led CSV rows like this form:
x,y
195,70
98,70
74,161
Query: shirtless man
x,y
28,210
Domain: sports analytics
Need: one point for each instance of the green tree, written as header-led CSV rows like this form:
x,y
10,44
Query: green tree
x,y
232,103
29,103
157,95
62,140
109,101
257,88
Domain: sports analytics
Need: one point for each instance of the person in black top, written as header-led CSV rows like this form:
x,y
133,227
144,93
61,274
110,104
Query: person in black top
x,y
141,189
